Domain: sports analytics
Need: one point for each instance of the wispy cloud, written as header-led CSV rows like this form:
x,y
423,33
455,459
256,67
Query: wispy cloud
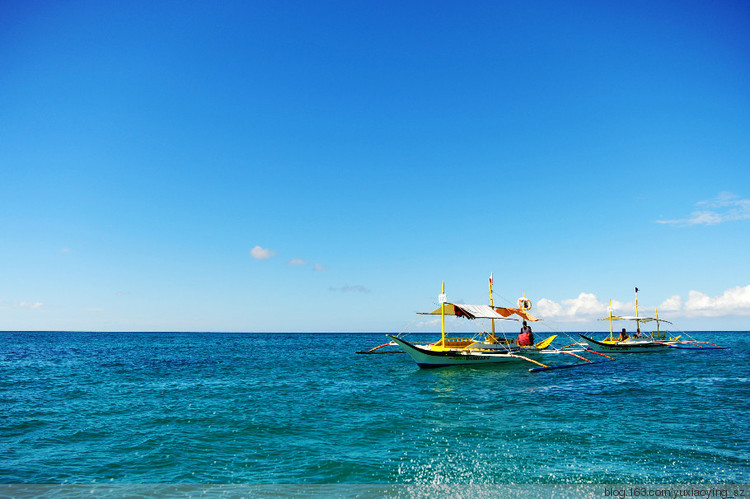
x,y
29,305
429,323
65,250
726,207
261,253
356,288
300,262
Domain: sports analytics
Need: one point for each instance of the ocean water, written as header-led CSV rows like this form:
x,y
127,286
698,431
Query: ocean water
x,y
186,408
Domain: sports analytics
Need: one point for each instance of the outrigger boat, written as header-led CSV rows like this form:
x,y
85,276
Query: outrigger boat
x,y
490,349
656,341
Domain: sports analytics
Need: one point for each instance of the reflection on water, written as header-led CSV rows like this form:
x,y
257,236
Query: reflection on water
x,y
230,408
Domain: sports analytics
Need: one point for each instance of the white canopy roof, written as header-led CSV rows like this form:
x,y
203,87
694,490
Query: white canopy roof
x,y
481,311
634,318
470,312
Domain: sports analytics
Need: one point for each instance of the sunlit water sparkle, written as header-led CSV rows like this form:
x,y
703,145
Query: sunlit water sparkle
x,y
303,408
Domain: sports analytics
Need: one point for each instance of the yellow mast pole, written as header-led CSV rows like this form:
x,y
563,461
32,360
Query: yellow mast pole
x,y
658,329
611,331
492,304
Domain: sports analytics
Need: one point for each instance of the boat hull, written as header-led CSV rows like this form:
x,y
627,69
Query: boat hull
x,y
429,358
637,346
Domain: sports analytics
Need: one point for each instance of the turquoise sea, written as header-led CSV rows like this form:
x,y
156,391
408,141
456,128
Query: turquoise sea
x,y
186,408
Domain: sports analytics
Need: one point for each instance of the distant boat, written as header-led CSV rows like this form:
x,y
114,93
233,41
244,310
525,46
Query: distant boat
x,y
630,345
656,341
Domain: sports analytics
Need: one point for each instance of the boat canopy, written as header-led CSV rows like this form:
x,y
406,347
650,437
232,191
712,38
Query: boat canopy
x,y
481,312
633,318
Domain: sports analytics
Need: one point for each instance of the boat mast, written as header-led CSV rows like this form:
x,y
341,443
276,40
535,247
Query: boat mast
x,y
611,331
442,299
492,304
637,322
658,329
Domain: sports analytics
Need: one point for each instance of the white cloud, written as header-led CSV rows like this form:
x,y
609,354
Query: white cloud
x,y
734,301
261,253
672,304
548,308
583,308
65,250
318,267
31,306
726,207
586,304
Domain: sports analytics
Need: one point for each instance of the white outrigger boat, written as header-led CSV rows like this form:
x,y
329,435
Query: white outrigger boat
x,y
656,341
490,349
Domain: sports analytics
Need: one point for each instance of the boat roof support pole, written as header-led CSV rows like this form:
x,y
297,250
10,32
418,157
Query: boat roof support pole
x,y
658,328
637,322
442,312
492,304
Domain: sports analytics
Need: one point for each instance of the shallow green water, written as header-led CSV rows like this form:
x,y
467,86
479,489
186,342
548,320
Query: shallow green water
x,y
303,408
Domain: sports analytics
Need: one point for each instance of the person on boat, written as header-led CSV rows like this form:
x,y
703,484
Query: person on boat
x,y
526,338
623,335
638,333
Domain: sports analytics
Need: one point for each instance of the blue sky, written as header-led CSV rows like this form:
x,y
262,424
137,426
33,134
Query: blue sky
x,y
323,166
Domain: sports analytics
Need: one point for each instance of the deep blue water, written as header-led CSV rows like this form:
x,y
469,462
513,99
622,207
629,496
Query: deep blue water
x,y
304,408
